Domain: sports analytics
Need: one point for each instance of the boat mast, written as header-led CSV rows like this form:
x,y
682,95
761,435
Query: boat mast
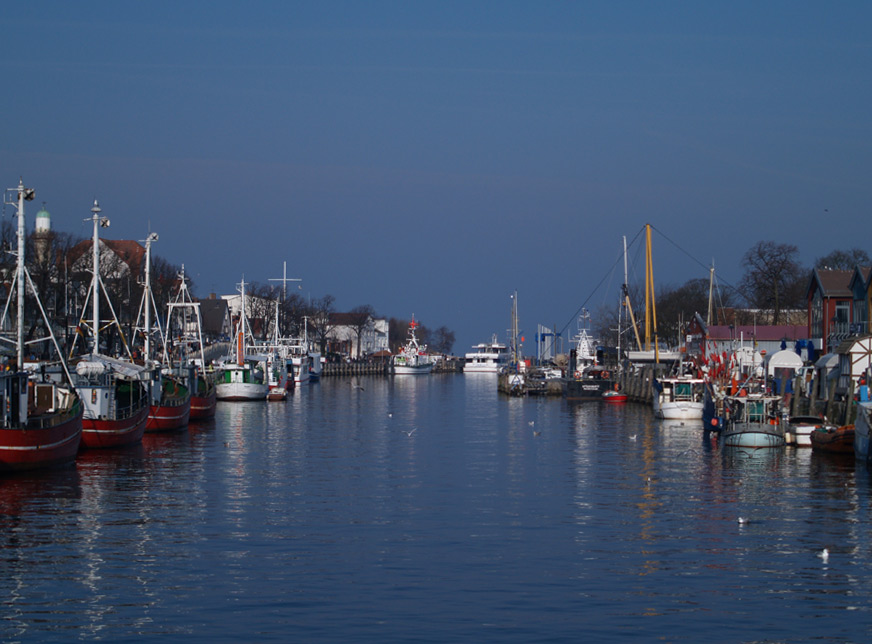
x,y
146,294
24,194
240,328
708,320
650,303
95,280
627,302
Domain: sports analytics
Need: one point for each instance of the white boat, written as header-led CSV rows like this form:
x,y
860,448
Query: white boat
x,y
754,421
244,379
412,359
679,398
799,429
487,357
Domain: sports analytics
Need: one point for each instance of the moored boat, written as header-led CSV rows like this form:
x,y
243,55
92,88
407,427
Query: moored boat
x,y
862,431
679,398
40,422
753,420
832,439
487,357
614,396
799,429
245,378
412,359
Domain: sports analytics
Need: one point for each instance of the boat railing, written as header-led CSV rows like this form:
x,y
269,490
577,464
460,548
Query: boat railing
x,y
53,420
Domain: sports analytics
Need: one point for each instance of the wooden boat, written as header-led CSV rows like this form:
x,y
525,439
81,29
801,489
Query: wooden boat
x,y
835,440
40,422
753,420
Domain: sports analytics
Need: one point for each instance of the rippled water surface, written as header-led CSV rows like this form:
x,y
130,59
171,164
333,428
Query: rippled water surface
x,y
430,509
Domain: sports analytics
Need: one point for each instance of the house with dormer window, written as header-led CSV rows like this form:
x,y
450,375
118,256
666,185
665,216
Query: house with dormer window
x,y
830,308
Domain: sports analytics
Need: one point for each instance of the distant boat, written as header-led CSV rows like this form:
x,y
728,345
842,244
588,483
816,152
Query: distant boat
x,y
585,379
40,422
614,396
835,440
243,379
487,357
412,359
753,420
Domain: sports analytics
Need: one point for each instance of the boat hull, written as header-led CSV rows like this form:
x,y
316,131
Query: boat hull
x,y
277,394
413,370
834,440
101,433
614,397
800,429
34,448
168,417
585,389
203,407
241,391
755,435
685,410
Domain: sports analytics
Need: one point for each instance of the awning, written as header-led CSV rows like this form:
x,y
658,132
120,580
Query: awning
x,y
827,361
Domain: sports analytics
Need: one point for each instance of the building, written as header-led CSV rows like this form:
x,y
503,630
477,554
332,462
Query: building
x,y
215,315
830,304
343,335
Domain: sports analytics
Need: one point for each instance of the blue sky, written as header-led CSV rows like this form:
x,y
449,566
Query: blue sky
x,y
431,158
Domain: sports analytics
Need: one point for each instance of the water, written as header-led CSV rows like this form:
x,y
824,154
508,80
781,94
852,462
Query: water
x,y
431,509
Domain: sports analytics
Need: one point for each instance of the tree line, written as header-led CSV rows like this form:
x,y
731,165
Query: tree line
x,y
59,264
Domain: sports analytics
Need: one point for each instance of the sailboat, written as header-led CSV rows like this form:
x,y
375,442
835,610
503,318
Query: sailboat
x,y
115,400
40,421
243,379
170,407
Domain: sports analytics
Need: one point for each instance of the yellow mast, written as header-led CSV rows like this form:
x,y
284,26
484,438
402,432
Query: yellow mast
x,y
650,303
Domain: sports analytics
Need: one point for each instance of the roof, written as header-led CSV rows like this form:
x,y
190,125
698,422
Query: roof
x,y
831,283
764,333
213,313
128,251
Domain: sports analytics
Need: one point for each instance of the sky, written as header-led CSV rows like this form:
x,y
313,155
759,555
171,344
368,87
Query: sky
x,y
432,158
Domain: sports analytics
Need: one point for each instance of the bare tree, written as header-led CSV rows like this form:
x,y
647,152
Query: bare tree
x,y
773,277
844,260
360,319
320,321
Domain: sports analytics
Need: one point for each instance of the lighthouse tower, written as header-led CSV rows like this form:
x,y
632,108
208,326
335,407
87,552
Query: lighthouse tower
x,y
42,235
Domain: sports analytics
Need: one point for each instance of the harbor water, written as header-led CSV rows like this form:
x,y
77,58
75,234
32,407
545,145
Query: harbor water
x,y
432,509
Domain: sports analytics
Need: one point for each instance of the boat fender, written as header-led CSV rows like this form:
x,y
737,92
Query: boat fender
x,y
617,386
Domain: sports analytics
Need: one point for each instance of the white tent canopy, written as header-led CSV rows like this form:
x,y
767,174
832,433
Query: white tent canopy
x,y
784,359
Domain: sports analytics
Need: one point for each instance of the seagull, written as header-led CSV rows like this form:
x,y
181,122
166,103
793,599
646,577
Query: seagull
x,y
742,520
633,437
531,423
824,555
390,415
411,432
537,433
355,386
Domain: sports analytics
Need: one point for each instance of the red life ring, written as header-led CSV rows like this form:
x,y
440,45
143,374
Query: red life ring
x,y
604,375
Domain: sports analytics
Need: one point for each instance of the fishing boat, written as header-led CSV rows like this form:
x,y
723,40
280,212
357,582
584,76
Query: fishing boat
x,y
679,398
183,353
412,358
487,357
586,379
244,379
40,422
170,407
277,374
753,420
112,390
832,439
